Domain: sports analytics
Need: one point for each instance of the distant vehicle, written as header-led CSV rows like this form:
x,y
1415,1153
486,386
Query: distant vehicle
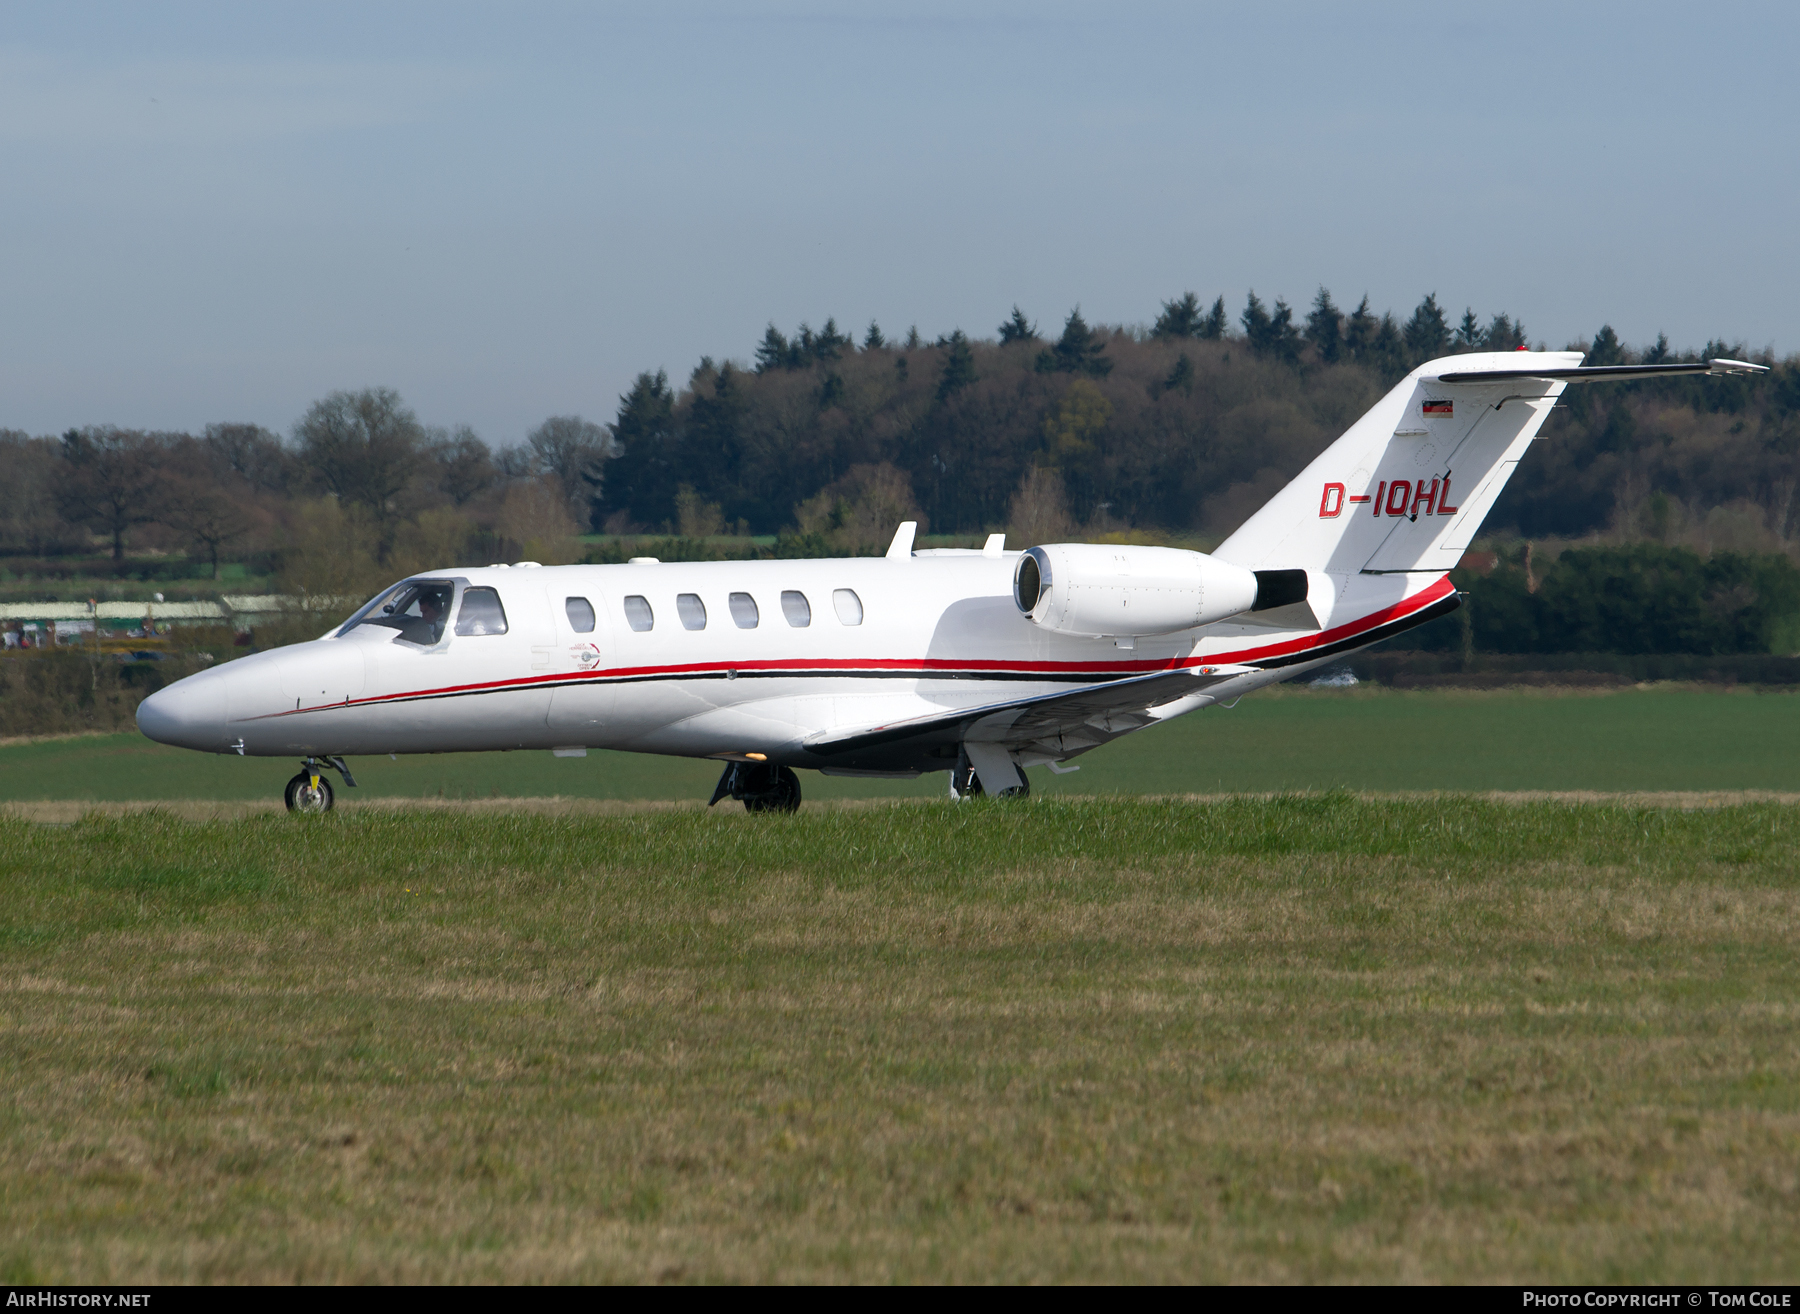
x,y
982,663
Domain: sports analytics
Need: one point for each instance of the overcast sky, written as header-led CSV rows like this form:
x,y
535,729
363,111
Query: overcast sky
x,y
506,211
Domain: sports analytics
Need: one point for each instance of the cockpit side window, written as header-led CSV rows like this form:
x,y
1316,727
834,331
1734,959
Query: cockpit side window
x,y
416,607
481,613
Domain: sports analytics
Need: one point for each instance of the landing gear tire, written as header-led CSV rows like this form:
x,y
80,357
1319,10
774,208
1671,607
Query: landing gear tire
x,y
304,796
781,795
761,787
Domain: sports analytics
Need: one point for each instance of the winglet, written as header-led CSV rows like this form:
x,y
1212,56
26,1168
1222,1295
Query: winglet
x,y
995,545
901,548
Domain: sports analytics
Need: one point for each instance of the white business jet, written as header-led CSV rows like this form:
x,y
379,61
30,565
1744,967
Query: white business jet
x,y
978,662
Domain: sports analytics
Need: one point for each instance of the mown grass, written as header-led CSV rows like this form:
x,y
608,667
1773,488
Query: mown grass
x,y
1285,738
1290,1039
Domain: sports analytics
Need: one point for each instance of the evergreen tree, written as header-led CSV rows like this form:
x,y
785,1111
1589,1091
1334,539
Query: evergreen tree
x,y
1078,351
641,479
959,366
1271,334
1605,349
872,340
1503,334
1426,333
1181,378
1212,328
913,341
1387,348
1018,328
1284,338
829,344
773,352
1256,322
1469,336
1179,319
1323,327
1359,331
1660,352
709,452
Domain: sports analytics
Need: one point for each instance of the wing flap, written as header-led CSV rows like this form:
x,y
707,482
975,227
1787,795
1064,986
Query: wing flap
x,y
1060,723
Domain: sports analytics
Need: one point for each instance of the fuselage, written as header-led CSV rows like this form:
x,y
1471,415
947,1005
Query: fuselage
x,y
716,659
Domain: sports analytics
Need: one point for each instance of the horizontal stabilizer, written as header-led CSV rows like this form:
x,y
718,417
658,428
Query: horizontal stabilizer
x,y
1608,373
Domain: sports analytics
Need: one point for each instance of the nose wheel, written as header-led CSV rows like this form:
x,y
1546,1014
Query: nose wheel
x,y
310,791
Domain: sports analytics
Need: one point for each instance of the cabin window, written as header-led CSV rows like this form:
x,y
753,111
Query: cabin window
x,y
847,605
481,613
638,614
691,610
796,608
581,615
743,611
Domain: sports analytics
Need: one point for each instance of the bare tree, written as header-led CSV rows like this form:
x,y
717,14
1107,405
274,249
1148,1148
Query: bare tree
x,y
575,451
29,471
206,498
367,449
111,480
465,464
1040,509
252,453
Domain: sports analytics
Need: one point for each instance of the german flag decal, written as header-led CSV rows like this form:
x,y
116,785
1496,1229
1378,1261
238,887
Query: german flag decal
x,y
1438,407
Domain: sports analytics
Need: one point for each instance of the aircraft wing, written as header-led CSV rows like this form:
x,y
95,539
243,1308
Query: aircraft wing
x,y
1058,725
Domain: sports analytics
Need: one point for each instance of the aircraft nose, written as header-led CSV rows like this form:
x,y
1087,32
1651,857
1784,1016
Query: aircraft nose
x,y
190,713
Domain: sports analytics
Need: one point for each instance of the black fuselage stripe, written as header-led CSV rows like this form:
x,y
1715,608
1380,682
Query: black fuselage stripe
x,y
1442,607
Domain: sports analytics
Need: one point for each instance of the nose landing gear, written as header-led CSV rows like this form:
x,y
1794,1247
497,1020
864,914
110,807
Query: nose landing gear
x,y
310,791
761,787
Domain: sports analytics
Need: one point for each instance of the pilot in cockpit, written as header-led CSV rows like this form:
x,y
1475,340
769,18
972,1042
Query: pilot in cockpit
x,y
418,610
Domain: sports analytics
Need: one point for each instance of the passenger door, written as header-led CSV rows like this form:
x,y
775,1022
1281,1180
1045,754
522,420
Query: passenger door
x,y
580,709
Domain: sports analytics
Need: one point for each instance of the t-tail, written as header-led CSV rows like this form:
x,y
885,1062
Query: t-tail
x,y
1406,489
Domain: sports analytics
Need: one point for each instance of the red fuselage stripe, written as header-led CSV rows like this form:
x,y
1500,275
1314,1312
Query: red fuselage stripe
x,y
925,667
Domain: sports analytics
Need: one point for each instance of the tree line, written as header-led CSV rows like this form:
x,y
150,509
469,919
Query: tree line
x,y
1186,425
1636,599
358,476
1179,427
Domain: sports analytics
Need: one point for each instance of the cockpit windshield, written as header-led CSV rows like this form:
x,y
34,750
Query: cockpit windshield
x,y
415,607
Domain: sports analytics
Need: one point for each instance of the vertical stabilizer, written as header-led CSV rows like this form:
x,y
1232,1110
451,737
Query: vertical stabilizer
x,y
1408,485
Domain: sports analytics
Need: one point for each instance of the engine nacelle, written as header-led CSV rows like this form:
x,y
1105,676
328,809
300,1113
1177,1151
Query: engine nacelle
x,y
1096,589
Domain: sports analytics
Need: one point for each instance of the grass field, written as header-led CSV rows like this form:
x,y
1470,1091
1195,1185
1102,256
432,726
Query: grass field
x,y
1678,738
1257,1039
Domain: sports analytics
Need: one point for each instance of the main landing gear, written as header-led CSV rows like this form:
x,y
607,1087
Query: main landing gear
x,y
310,791
762,786
965,777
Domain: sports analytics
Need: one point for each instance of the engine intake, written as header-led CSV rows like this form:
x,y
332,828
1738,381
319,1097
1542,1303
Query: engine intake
x,y
1096,589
